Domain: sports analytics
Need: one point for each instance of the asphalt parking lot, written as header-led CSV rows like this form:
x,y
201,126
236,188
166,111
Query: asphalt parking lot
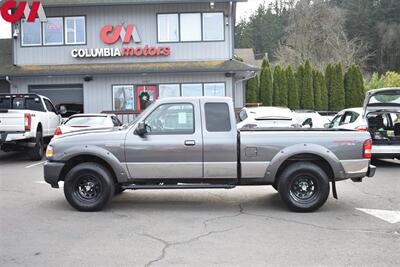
x,y
246,226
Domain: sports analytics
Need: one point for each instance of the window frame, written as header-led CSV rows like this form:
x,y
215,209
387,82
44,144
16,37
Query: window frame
x,y
43,34
166,84
173,133
22,34
192,83
223,26
209,83
201,25
66,32
158,28
134,109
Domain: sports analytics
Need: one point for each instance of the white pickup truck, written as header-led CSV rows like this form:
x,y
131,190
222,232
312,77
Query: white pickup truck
x,y
27,121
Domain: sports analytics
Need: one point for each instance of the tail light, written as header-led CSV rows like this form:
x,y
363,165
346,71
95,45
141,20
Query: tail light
x,y
362,128
367,149
27,121
58,131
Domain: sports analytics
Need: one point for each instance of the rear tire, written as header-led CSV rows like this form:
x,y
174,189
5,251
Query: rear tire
x,y
36,153
303,187
89,187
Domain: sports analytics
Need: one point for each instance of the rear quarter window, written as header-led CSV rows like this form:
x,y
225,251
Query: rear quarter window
x,y
217,117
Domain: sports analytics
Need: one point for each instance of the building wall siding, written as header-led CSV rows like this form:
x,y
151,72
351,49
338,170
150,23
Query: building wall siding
x,y
97,94
145,17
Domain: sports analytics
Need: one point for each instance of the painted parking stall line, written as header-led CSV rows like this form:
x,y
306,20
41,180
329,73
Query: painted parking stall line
x,y
390,216
34,165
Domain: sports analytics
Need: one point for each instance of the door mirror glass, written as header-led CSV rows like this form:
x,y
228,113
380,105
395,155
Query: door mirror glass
x,y
308,123
327,125
141,129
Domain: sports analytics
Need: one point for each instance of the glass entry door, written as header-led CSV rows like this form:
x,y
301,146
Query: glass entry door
x,y
145,95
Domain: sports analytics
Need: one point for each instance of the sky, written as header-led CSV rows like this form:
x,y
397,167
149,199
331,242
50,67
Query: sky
x,y
243,11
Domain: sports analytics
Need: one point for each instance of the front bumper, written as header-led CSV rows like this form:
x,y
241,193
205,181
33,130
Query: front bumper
x,y
52,172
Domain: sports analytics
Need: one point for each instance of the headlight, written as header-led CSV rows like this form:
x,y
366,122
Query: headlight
x,y
49,152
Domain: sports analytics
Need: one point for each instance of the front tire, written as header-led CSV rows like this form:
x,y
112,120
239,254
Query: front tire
x,y
89,187
36,153
303,187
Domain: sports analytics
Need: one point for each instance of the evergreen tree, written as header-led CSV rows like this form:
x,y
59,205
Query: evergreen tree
x,y
283,92
349,87
300,84
252,90
308,95
293,93
266,85
276,86
359,81
337,97
324,93
329,84
317,90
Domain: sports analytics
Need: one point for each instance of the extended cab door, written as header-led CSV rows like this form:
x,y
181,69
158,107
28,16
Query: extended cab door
x,y
219,138
172,148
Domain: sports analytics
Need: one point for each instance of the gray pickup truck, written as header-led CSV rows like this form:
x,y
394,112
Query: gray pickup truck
x,y
188,143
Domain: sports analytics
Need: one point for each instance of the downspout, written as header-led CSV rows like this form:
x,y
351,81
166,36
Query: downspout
x,y
248,77
232,10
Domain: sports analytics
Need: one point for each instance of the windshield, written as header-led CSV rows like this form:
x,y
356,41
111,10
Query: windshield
x,y
87,122
388,98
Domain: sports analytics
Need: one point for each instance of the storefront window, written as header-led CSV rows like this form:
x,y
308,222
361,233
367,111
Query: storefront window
x,y
31,33
169,90
75,30
213,26
190,25
123,98
53,31
214,89
192,89
168,29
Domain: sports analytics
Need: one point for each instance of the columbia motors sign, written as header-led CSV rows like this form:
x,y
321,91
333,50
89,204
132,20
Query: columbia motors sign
x,y
126,34
11,11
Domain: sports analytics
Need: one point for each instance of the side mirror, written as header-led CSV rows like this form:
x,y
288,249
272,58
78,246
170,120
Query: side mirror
x,y
327,125
308,122
141,129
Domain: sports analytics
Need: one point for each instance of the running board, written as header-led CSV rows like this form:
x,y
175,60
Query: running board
x,y
179,186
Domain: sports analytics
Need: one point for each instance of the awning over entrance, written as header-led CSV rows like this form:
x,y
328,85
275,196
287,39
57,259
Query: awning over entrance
x,y
220,66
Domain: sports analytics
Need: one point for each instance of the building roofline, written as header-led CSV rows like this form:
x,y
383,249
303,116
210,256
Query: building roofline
x,y
71,3
216,66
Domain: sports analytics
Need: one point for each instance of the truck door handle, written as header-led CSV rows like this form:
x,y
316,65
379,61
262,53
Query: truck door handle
x,y
190,143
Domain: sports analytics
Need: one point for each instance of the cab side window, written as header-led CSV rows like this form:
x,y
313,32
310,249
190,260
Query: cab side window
x,y
171,119
217,117
242,115
49,106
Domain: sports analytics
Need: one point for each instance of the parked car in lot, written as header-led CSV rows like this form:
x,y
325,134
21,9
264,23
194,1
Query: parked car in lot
x,y
267,117
87,122
316,120
380,115
350,119
27,121
187,143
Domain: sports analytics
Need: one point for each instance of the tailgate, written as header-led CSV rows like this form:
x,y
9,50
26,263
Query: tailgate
x,y
12,122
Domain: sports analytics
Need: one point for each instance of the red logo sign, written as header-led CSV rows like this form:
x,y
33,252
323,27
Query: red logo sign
x,y
13,12
111,35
